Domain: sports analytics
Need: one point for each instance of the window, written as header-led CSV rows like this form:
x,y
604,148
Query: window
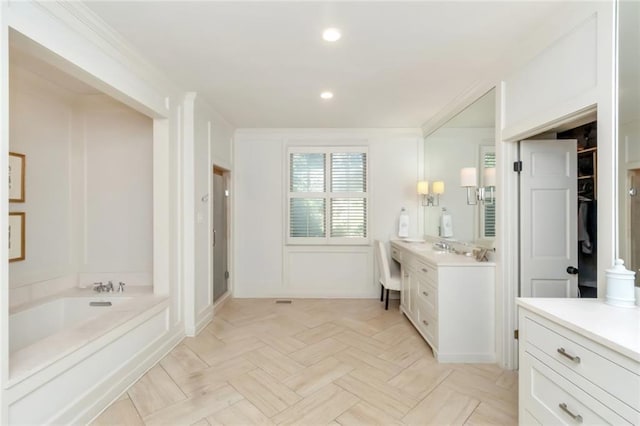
x,y
328,198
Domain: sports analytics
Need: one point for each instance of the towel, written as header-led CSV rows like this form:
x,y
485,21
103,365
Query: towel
x,y
403,224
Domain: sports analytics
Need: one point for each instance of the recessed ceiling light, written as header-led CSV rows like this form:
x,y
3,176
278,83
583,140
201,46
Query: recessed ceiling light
x,y
331,34
326,95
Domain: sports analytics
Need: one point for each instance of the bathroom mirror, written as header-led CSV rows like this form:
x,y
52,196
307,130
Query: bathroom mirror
x,y
629,135
465,141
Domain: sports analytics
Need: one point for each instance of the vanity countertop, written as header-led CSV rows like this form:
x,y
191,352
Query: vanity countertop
x,y
425,250
614,327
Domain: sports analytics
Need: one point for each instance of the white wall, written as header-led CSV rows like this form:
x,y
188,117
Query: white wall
x,y
447,151
117,155
41,128
264,266
89,180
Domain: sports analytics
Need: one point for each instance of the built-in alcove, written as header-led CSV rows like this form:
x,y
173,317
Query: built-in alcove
x,y
87,209
88,184
96,128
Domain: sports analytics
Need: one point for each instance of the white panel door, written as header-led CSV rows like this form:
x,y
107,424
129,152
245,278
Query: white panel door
x,y
548,218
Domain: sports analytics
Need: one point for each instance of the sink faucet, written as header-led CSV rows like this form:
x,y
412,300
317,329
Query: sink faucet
x,y
442,245
109,287
121,287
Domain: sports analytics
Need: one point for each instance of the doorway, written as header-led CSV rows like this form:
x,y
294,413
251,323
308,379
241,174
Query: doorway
x,y
220,242
558,204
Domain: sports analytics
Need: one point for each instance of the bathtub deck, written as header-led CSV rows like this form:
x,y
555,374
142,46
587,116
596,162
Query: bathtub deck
x,y
313,362
31,359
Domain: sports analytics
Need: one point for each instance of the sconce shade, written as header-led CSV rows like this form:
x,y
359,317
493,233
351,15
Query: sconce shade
x,y
490,176
423,187
468,177
438,187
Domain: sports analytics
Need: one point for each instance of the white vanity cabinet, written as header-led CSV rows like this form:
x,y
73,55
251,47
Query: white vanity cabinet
x,y
579,362
449,299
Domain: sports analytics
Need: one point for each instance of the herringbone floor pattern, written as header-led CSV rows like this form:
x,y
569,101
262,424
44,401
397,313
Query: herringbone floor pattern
x,y
313,362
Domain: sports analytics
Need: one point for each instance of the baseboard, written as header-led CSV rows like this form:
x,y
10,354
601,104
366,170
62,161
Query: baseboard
x,y
204,320
222,301
93,403
466,358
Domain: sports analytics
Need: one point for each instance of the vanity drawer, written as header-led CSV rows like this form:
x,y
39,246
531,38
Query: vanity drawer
x,y
396,253
429,295
551,399
427,322
425,271
568,355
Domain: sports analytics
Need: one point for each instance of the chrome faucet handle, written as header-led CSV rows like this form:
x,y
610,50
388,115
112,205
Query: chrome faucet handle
x,y
98,287
120,287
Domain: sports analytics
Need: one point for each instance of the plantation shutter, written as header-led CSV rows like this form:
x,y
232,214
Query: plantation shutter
x,y
306,182
348,184
489,219
327,196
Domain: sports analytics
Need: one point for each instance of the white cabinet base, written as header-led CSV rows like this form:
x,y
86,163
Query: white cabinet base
x,y
579,362
449,299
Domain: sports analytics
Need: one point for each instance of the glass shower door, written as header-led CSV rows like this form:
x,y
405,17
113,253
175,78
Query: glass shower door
x,y
220,233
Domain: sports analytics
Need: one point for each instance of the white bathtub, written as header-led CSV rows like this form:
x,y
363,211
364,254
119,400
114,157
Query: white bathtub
x,y
41,321
64,347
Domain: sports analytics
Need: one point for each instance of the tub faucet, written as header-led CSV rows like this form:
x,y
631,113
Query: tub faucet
x,y
121,287
109,287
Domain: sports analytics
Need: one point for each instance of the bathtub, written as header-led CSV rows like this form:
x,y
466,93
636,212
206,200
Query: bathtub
x,y
38,322
65,346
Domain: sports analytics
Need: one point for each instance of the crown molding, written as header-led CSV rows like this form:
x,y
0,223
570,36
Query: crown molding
x,y
78,17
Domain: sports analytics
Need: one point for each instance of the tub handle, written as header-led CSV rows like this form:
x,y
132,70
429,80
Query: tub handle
x,y
101,303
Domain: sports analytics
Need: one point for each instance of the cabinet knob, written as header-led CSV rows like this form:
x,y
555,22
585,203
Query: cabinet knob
x,y
425,322
576,417
425,293
425,270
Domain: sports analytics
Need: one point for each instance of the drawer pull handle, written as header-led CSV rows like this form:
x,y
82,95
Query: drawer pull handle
x,y
425,322
425,293
425,270
576,417
564,353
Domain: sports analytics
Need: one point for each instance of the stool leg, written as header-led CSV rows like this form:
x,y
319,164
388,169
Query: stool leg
x,y
381,292
386,306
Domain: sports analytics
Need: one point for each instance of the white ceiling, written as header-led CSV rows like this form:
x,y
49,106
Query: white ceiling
x,y
264,64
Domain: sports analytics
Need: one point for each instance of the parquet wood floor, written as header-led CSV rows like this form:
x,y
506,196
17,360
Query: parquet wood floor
x,y
312,362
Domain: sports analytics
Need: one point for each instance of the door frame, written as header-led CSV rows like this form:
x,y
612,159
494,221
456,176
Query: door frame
x,y
508,224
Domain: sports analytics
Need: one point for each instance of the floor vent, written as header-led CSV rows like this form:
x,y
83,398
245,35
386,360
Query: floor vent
x,y
283,301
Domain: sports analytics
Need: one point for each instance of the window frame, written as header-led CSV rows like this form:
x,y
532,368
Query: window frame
x,y
327,195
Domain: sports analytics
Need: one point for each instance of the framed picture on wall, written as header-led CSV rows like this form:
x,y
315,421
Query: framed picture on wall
x,y
16,177
16,236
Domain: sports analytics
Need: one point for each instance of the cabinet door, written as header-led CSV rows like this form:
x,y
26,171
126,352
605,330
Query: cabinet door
x,y
413,292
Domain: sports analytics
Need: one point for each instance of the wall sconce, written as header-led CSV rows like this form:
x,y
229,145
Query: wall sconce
x,y
433,198
475,194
